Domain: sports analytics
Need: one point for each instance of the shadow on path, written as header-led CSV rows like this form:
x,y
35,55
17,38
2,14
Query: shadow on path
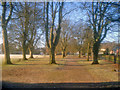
x,y
25,64
71,64
60,85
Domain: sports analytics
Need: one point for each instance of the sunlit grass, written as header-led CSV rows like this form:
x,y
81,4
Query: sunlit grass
x,y
38,70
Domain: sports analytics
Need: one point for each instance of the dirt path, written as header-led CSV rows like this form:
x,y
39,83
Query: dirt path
x,y
68,70
74,72
80,70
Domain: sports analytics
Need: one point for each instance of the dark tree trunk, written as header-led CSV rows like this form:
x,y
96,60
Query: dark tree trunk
x,y
79,54
64,54
92,53
88,50
87,56
6,46
24,51
95,52
119,60
52,56
24,54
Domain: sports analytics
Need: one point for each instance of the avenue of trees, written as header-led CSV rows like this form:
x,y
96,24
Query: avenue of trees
x,y
25,24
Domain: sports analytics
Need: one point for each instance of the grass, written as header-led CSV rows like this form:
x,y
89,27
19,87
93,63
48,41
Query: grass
x,y
38,67
68,70
41,62
105,69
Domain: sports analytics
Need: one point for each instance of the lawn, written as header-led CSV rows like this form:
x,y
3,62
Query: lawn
x,y
68,70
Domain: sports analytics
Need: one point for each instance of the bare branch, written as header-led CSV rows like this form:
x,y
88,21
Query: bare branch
x,y
46,25
10,13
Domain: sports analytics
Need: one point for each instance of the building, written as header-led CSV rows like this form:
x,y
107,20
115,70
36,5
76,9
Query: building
x,y
102,51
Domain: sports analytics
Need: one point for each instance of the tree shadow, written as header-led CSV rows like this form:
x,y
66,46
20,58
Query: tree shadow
x,y
71,64
25,64
60,60
85,60
38,60
13,85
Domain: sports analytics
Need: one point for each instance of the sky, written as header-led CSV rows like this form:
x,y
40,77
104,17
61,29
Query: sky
x,y
75,16
79,14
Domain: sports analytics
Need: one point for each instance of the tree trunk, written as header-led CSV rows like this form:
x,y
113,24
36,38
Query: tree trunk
x,y
79,54
4,23
31,52
52,56
24,51
88,50
95,52
92,53
87,56
119,60
6,46
64,54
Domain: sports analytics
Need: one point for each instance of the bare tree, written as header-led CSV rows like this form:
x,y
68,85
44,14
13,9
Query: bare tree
x,y
79,34
88,41
54,38
4,30
26,33
35,28
114,15
21,25
65,35
98,18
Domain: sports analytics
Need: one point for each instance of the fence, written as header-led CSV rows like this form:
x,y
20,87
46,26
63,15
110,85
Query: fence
x,y
114,58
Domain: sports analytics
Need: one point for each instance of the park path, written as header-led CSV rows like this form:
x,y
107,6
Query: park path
x,y
68,70
76,72
80,70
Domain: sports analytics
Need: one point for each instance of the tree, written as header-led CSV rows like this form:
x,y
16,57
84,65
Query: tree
x,y
107,51
79,34
21,24
114,15
35,29
26,26
4,30
65,36
88,41
54,33
72,44
98,18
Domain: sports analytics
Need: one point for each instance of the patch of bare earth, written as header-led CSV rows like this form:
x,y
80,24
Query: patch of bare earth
x,y
68,70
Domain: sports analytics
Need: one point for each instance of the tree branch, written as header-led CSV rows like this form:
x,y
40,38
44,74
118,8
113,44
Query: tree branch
x,y
46,24
10,13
